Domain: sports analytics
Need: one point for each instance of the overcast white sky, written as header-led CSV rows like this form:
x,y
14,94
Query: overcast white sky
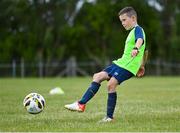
x,y
80,3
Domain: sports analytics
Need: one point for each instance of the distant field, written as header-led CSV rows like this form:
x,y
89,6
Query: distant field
x,y
147,104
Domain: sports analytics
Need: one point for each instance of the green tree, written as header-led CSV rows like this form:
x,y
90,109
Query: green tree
x,y
48,30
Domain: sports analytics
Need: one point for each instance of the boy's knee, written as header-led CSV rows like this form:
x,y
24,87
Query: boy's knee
x,y
95,75
98,77
111,87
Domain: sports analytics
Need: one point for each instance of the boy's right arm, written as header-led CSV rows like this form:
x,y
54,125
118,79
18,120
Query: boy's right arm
x,y
145,57
142,68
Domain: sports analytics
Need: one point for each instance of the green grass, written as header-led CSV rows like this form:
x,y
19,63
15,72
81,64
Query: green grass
x,y
147,104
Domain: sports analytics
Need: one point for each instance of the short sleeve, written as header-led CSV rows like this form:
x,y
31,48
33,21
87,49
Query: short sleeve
x,y
138,33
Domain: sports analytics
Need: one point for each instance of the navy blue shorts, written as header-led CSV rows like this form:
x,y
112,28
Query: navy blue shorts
x,y
117,72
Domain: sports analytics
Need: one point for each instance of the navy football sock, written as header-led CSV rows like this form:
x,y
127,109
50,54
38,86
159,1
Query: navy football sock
x,y
111,103
91,91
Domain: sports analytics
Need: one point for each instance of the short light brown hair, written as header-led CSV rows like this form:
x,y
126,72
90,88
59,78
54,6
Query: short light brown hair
x,y
129,11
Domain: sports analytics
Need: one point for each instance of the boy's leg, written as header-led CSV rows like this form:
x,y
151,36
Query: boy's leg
x,y
118,76
91,91
111,101
112,97
94,87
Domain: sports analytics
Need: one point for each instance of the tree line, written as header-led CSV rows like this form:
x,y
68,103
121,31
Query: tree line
x,y
88,30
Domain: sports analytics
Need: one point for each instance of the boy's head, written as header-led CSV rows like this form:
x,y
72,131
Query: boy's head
x,y
128,17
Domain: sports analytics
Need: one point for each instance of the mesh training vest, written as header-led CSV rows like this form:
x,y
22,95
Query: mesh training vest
x,y
126,61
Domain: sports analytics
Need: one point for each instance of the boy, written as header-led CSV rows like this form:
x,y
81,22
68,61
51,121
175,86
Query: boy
x,y
129,65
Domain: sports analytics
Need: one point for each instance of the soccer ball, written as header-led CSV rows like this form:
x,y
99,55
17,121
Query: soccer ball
x,y
34,103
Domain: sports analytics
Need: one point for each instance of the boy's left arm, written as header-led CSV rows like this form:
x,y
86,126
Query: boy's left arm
x,y
141,71
138,44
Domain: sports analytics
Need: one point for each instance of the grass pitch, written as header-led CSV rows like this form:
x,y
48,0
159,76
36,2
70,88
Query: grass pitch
x,y
147,104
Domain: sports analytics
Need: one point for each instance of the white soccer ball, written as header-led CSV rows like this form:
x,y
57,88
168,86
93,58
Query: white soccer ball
x,y
34,103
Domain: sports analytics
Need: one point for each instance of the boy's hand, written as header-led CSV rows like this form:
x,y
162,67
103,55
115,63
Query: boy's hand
x,y
134,52
141,72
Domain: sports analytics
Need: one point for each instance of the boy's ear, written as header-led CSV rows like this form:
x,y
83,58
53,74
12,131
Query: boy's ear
x,y
133,17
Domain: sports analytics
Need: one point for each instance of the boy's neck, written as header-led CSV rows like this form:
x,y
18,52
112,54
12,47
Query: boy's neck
x,y
134,25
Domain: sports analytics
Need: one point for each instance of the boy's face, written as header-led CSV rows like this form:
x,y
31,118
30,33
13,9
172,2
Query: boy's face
x,y
127,22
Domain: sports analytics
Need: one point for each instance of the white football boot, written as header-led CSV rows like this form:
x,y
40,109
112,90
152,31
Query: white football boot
x,y
76,106
106,120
